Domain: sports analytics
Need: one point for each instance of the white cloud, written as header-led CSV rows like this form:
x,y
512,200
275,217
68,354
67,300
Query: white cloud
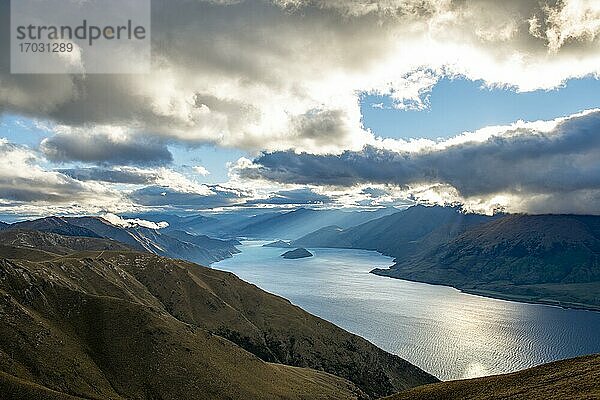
x,y
133,222
24,181
200,170
292,78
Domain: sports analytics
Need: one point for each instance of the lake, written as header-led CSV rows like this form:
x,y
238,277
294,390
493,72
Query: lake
x,y
450,334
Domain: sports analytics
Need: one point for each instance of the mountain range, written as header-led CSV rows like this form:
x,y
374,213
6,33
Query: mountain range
x,y
266,224
95,320
176,244
551,259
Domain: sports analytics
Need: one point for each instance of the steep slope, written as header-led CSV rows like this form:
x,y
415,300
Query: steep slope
x,y
546,258
134,325
219,249
575,379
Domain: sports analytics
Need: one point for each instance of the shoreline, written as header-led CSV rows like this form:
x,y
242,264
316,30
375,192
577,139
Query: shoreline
x,y
501,295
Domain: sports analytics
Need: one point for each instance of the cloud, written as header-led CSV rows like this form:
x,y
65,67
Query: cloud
x,y
23,180
104,145
165,197
132,223
164,177
532,167
125,175
292,78
199,169
301,196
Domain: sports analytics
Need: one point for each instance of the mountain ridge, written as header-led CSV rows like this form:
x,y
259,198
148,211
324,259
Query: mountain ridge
x,y
201,249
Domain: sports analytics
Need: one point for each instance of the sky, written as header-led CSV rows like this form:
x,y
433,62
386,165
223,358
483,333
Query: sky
x,y
326,103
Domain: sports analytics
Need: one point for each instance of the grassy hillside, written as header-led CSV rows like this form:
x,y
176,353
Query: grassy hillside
x,y
577,378
544,258
122,324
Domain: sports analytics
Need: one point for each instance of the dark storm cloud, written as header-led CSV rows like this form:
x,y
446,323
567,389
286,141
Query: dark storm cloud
x,y
158,196
105,149
296,196
127,176
522,161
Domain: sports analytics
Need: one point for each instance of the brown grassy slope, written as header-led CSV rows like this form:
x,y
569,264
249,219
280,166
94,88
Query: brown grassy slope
x,y
125,324
270,326
104,347
577,378
27,244
17,389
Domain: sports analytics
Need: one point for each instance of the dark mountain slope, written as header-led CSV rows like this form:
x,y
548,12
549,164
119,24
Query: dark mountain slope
x,y
36,245
135,325
58,225
573,379
548,258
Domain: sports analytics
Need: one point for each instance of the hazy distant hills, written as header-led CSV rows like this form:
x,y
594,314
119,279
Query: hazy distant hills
x,y
293,224
544,258
573,379
200,249
107,324
267,225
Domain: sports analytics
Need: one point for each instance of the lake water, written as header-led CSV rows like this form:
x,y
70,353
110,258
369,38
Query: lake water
x,y
445,332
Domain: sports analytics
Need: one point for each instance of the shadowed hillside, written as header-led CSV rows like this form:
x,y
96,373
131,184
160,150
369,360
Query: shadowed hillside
x,y
123,324
544,258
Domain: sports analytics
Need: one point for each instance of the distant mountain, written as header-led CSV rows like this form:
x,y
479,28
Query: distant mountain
x,y
202,249
573,379
297,253
294,224
397,234
259,224
219,249
124,324
545,258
